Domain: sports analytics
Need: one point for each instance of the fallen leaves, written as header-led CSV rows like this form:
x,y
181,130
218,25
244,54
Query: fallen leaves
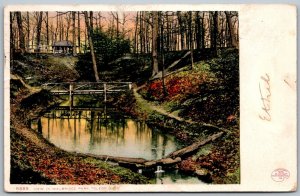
x,y
62,170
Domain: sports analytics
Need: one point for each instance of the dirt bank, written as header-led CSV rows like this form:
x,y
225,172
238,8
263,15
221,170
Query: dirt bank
x,y
36,161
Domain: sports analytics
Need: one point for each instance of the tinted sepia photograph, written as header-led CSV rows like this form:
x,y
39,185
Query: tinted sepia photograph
x,y
124,97
99,100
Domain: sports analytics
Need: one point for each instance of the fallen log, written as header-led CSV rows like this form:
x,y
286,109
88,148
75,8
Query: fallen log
x,y
190,149
119,159
168,161
172,159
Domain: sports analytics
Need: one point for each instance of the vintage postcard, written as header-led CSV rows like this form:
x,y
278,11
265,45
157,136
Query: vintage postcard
x,y
156,98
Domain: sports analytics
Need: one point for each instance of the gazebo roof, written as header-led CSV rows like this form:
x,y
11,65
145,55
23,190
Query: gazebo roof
x,y
64,43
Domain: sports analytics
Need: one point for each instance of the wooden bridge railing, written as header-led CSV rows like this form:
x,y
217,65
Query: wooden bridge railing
x,y
87,88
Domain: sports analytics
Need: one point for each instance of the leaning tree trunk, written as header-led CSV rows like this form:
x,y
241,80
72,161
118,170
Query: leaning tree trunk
x,y
21,33
89,30
154,43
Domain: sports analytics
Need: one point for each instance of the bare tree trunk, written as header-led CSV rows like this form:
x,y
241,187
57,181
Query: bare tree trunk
x,y
191,41
68,19
233,42
117,19
21,33
112,27
100,23
47,30
52,35
38,35
60,28
57,26
141,32
79,44
123,25
89,30
12,46
74,32
173,29
202,31
146,36
168,32
28,31
198,30
181,29
91,21
85,40
154,42
135,49
215,31
162,51
96,18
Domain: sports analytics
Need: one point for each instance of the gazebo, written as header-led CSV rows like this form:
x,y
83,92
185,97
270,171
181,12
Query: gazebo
x,y
63,47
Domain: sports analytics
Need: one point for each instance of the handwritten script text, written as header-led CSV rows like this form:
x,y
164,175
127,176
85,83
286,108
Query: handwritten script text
x,y
265,96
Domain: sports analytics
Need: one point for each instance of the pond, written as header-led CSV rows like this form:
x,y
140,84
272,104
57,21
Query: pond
x,y
105,131
93,131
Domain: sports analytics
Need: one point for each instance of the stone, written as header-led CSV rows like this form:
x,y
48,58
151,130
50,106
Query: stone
x,y
201,172
204,175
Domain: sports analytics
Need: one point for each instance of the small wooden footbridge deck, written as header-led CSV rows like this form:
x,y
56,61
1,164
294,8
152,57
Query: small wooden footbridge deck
x,y
87,88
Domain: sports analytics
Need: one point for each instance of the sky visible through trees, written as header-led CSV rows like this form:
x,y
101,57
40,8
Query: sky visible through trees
x,y
176,30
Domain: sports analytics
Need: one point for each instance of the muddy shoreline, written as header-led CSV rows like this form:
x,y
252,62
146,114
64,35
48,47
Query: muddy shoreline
x,y
31,165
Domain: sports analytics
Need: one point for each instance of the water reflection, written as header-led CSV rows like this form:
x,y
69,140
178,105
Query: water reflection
x,y
103,132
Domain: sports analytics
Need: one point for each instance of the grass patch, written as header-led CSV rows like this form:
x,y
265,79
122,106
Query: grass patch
x,y
127,176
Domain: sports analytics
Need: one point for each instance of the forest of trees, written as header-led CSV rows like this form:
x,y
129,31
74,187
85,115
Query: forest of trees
x,y
32,31
147,32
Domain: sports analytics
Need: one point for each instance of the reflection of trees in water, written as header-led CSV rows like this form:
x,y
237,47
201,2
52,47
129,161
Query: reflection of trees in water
x,y
143,129
91,128
39,125
75,132
48,131
114,128
159,143
106,129
154,144
164,144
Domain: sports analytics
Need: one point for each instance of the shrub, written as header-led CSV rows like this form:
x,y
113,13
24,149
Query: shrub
x,y
106,50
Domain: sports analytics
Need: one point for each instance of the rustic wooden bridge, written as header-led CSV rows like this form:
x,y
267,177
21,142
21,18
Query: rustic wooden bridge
x,y
87,88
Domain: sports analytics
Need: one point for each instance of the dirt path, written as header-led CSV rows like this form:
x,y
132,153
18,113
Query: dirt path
x,y
150,106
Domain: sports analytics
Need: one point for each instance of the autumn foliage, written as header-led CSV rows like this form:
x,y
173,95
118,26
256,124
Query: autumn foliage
x,y
175,86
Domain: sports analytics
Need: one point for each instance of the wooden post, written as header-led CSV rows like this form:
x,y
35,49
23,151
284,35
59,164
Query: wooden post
x,y
104,92
71,95
130,86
